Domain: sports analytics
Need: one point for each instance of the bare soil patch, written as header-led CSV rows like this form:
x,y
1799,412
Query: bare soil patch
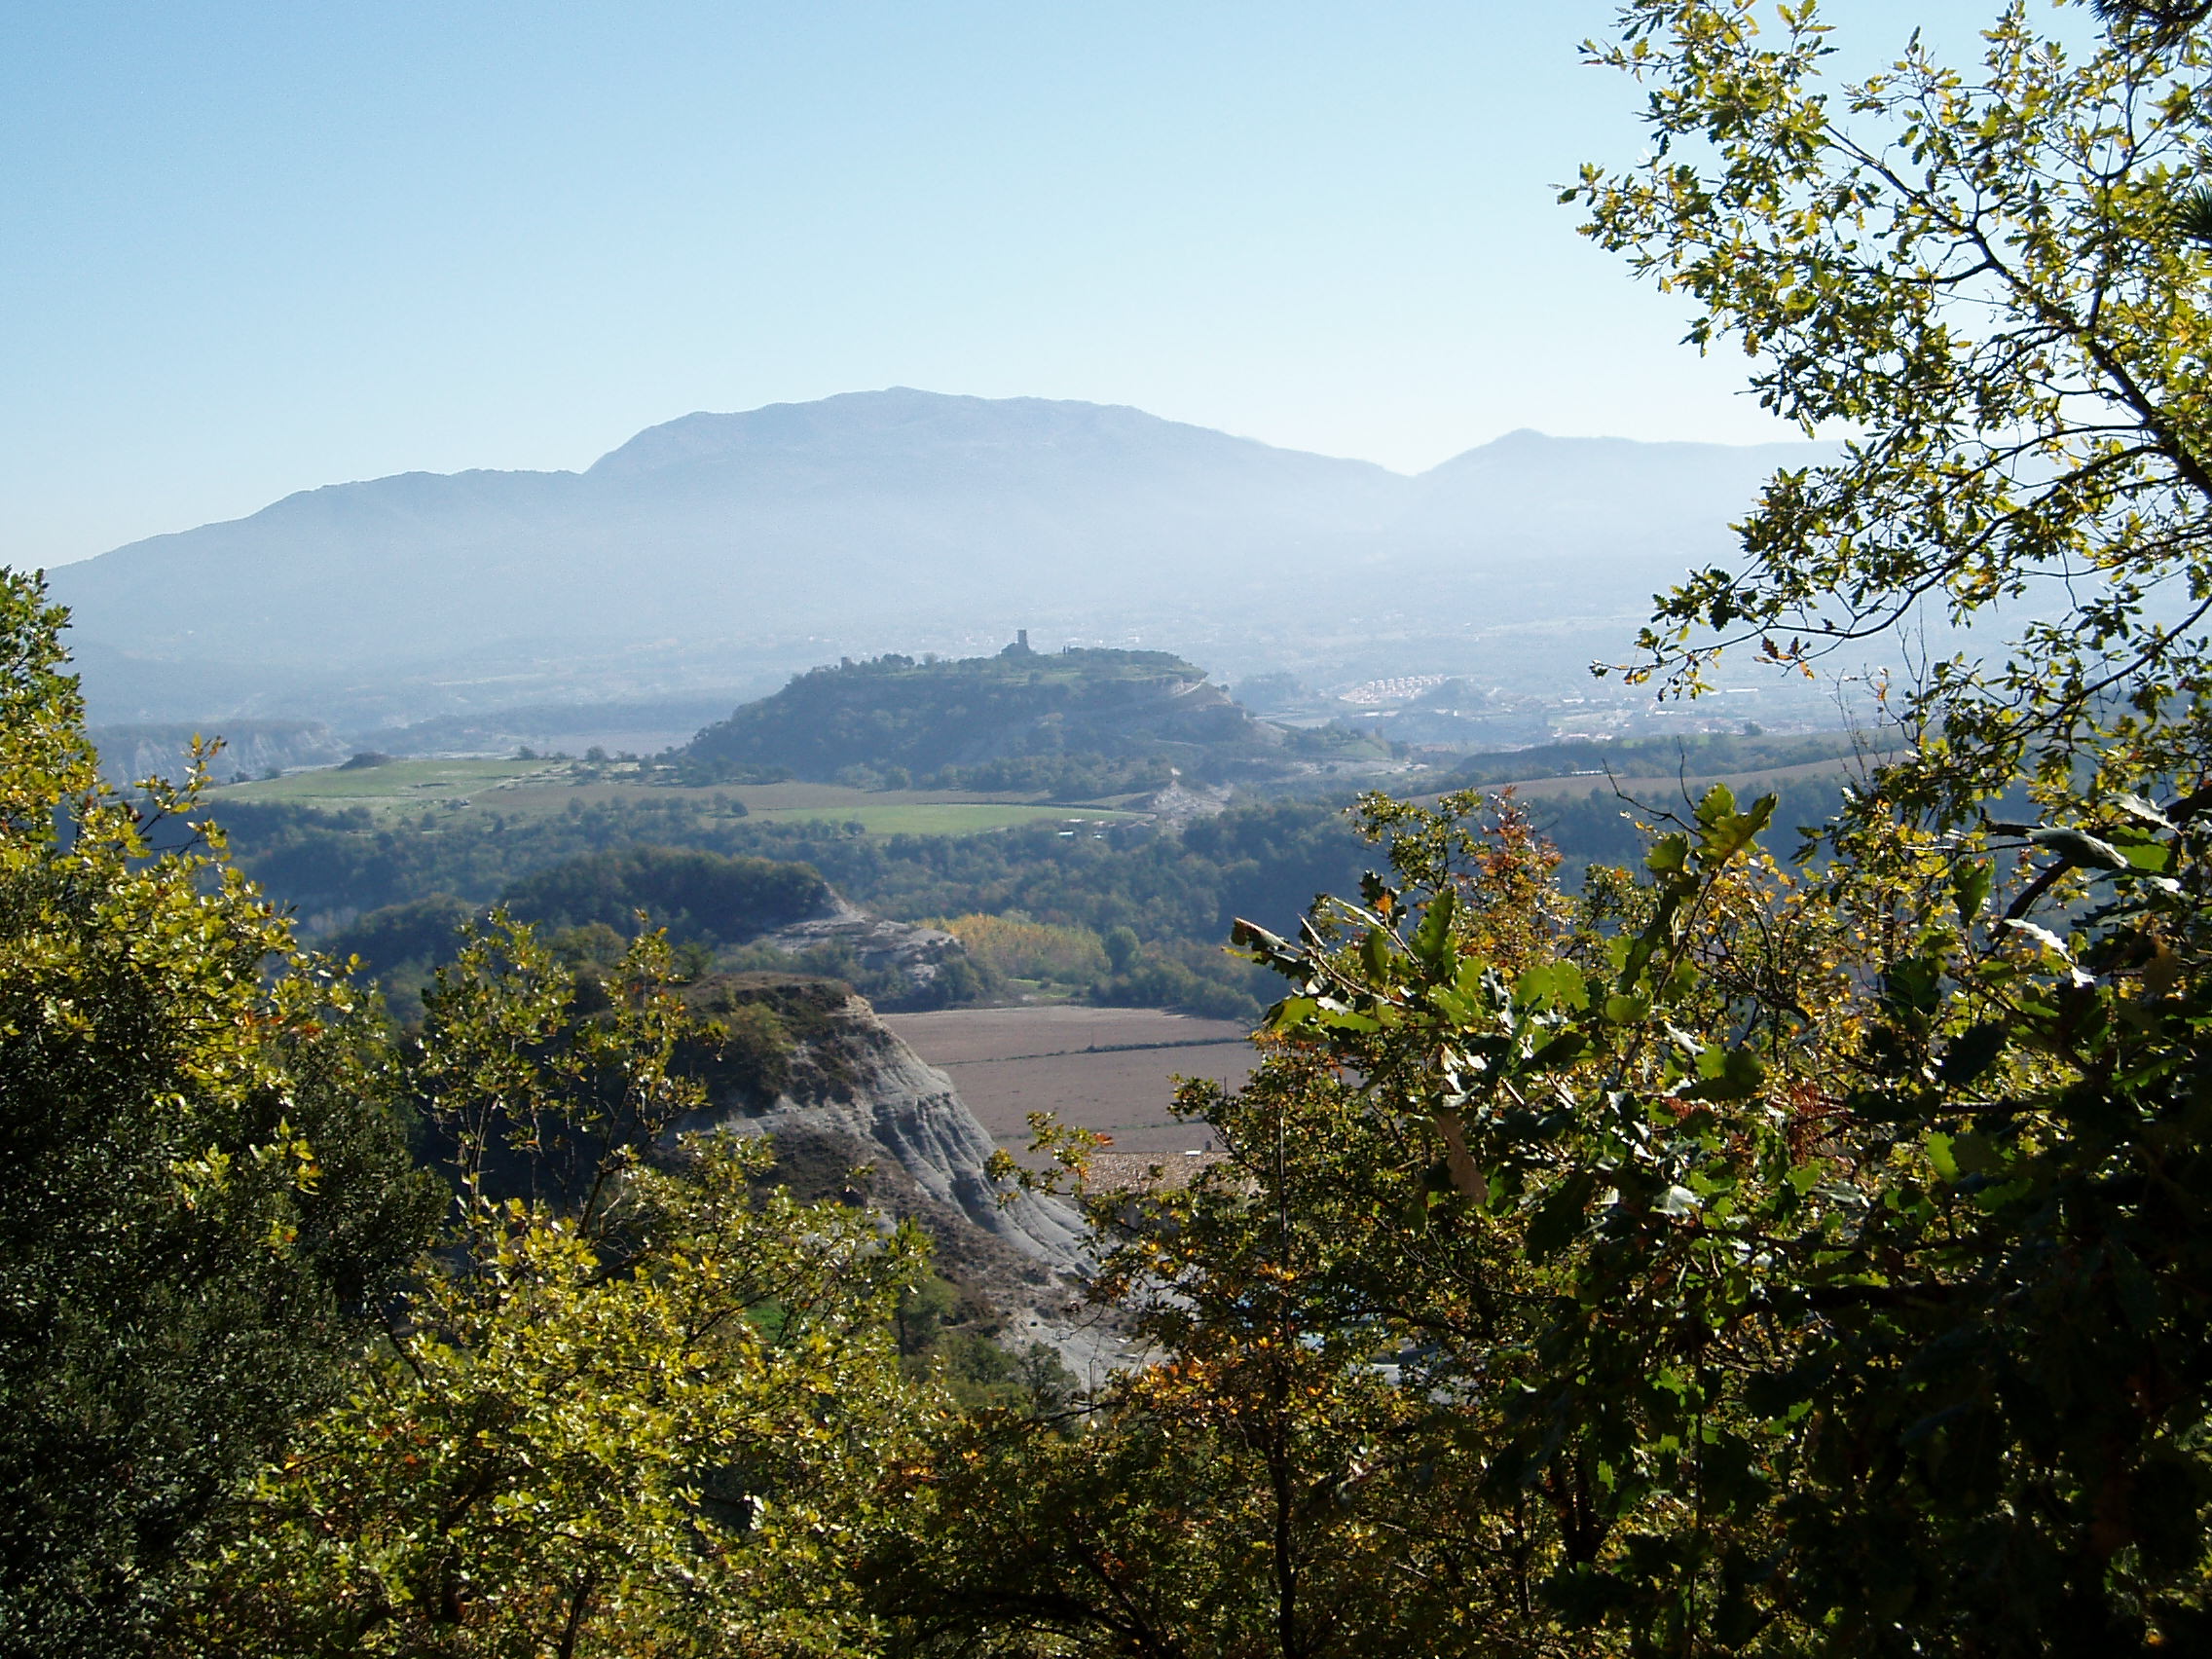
x,y
1111,1070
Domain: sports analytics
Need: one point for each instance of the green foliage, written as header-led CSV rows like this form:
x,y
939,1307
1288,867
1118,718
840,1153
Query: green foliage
x,y
1266,860
629,1402
206,1191
1992,279
695,894
1712,1263
956,978
1226,1510
1883,1235
1339,742
949,1336
1118,972
1212,986
753,1043
1089,776
1016,947
333,866
1701,755
1722,1259
1178,892
750,1031
416,935
718,905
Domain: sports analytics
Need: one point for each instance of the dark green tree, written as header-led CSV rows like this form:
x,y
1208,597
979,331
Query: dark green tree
x,y
204,1194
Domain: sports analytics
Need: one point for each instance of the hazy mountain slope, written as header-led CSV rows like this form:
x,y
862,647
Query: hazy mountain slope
x,y
1622,508
394,567
720,545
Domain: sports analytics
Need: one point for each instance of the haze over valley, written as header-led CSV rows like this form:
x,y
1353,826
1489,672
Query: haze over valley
x,y
1198,995
709,558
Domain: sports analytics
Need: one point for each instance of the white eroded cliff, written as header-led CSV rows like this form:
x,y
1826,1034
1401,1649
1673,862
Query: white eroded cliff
x,y
855,1079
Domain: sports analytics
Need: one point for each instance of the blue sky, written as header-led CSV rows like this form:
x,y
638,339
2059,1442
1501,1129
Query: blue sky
x,y
249,249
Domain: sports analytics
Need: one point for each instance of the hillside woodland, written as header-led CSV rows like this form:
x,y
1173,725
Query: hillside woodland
x,y
1730,1254
1076,724
395,896
732,913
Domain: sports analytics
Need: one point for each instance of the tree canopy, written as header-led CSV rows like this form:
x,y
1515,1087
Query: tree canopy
x,y
1763,1260
1997,280
207,1189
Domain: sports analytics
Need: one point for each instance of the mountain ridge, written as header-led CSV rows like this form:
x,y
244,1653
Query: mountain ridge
x,y
753,543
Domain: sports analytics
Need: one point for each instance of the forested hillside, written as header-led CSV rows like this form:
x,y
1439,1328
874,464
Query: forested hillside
x,y
1076,724
391,891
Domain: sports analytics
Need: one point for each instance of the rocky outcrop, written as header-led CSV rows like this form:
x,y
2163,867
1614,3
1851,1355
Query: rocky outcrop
x,y
852,1077
916,955
1180,802
857,1115
251,748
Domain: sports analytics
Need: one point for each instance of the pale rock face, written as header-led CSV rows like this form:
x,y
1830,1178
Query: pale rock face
x,y
915,954
908,1112
130,753
1179,802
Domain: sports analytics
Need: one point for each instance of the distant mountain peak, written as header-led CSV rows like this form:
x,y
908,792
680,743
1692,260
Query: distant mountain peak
x,y
723,548
895,418
903,420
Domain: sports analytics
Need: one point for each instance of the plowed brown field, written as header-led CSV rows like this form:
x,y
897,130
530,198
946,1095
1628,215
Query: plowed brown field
x,y
1108,1069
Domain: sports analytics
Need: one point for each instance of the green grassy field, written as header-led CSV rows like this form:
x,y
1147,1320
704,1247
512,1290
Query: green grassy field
x,y
530,788
397,783
888,816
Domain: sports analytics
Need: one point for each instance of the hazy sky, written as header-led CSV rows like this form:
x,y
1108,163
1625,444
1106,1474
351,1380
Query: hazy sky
x,y
247,248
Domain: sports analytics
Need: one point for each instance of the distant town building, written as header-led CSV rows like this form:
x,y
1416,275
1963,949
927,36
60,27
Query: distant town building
x,y
1399,691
